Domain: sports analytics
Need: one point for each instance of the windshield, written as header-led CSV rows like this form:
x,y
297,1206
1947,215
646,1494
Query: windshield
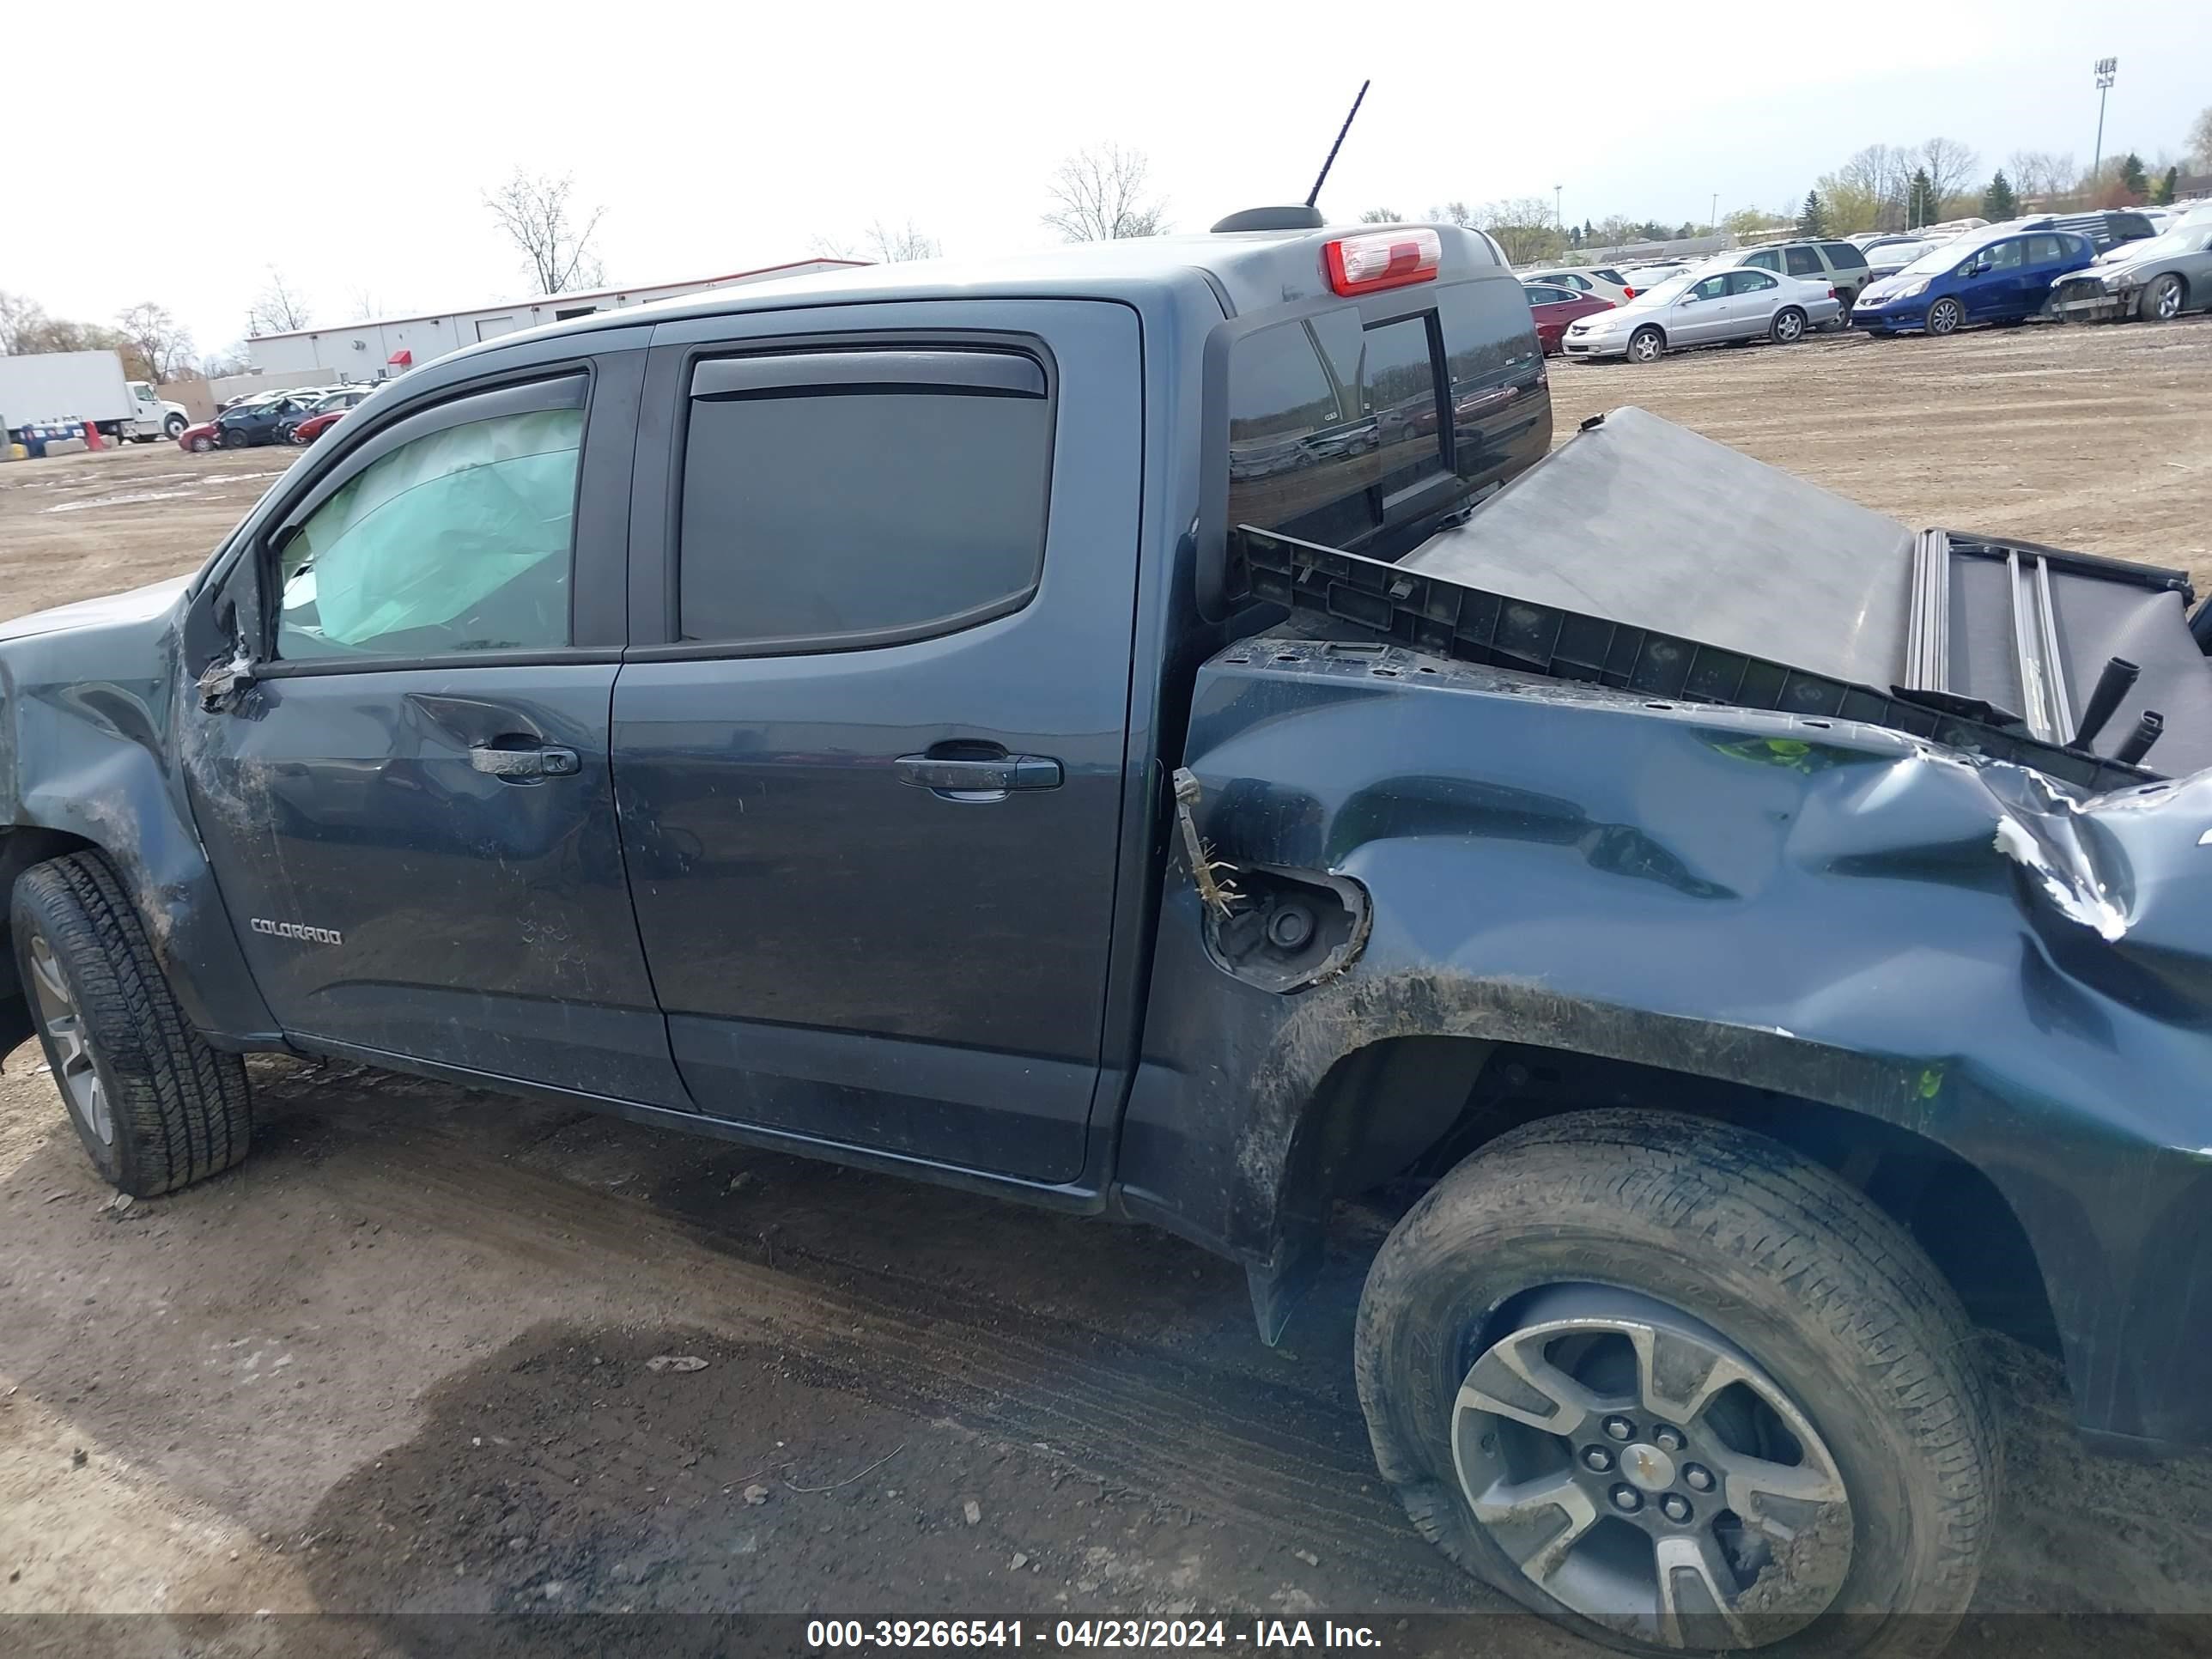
x,y
1942,257
1661,292
2182,239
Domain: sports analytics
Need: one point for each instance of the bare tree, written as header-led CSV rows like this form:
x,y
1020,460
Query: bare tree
x,y
1880,177
2200,139
554,238
1099,196
20,317
1950,166
1521,226
164,344
279,308
233,359
1453,213
363,307
2039,174
1382,216
884,245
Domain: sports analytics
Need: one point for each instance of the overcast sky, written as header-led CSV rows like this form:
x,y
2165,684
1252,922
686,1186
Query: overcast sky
x,y
350,147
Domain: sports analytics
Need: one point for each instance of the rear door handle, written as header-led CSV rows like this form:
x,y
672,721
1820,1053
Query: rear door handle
x,y
522,764
997,776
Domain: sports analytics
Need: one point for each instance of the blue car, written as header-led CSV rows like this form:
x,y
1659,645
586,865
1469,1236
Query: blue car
x,y
1999,275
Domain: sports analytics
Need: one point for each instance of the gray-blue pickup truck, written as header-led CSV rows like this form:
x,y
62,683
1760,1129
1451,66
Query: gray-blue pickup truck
x,y
1157,729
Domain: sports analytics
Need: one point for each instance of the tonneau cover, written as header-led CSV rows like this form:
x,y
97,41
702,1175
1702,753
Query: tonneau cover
x,y
1644,522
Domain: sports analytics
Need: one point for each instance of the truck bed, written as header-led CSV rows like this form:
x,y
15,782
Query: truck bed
x,y
1643,556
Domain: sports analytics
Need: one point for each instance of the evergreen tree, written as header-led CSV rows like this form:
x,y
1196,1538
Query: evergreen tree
x,y
1920,204
2133,179
1813,218
1999,203
2163,196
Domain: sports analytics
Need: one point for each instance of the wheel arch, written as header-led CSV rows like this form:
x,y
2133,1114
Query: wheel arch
x,y
21,847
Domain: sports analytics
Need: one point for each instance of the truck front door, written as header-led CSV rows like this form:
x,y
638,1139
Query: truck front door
x,y
410,811
871,781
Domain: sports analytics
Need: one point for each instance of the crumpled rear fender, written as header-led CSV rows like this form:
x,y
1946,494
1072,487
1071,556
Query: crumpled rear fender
x,y
1835,913
88,756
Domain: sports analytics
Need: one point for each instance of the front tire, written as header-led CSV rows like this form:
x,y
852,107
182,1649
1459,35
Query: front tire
x,y
1646,345
1787,326
2162,301
155,1107
1618,1339
173,426
1945,316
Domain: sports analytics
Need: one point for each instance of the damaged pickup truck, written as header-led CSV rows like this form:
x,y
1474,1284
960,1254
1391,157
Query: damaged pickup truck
x,y
1145,730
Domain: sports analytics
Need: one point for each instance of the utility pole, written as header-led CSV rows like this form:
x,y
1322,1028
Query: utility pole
x,y
1713,215
1557,222
2107,68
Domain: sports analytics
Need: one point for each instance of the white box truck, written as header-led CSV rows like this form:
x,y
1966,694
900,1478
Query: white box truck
x,y
83,385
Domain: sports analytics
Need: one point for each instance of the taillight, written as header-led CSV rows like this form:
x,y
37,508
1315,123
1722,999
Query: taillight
x,y
1387,259
1832,294
1627,294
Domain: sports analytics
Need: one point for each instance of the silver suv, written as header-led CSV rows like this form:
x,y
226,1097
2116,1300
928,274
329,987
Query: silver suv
x,y
1837,262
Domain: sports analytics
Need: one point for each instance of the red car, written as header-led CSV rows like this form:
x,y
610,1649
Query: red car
x,y
200,439
1553,308
307,431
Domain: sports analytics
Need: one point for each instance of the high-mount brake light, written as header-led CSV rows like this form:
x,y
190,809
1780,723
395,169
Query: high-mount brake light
x,y
1383,258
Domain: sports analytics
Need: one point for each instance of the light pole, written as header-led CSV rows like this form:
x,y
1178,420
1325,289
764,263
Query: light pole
x,y
2107,68
1557,223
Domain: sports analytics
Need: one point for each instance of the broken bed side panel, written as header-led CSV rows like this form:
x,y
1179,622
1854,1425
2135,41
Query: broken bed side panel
x,y
1817,909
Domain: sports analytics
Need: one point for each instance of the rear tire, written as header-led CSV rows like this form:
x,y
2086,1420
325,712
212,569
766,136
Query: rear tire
x,y
1721,1248
155,1107
1787,326
235,439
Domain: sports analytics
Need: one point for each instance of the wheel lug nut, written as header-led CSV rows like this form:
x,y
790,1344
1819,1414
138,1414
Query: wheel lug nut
x,y
1666,1437
1697,1477
1620,1428
1597,1458
1627,1499
1675,1508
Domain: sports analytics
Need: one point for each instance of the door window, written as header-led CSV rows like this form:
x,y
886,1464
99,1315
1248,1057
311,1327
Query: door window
x,y
862,511
1552,296
1804,262
1711,289
1751,282
1765,259
457,541
2047,249
2005,256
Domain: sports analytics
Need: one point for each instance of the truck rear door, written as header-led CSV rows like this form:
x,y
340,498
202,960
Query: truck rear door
x,y
869,737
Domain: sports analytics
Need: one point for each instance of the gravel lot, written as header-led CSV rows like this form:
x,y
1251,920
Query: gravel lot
x,y
398,1363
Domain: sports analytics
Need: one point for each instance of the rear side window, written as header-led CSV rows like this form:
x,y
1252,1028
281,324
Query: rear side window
x,y
2047,249
857,510
1552,296
1612,276
1804,262
1765,258
1844,256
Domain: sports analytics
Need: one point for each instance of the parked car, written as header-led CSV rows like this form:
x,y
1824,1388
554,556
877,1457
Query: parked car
x,y
2001,275
1892,253
1700,308
2106,229
1603,280
331,403
312,427
1554,308
1651,273
206,435
2155,280
1840,266
260,422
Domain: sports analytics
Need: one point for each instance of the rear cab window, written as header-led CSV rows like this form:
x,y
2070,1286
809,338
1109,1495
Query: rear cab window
x,y
1358,426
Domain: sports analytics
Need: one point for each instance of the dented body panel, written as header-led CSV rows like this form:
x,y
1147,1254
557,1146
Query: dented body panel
x,y
1835,913
89,707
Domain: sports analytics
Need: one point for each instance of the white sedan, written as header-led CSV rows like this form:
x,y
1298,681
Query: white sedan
x,y
1702,308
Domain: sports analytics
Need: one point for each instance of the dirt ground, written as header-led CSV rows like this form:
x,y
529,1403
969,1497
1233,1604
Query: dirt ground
x,y
400,1365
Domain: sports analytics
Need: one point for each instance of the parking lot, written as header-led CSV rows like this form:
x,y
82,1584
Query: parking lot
x,y
403,1361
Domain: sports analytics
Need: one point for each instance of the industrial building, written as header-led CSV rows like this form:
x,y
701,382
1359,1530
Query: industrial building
x,y
379,350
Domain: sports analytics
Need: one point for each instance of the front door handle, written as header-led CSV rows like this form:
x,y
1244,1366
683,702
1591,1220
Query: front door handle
x,y
522,764
970,778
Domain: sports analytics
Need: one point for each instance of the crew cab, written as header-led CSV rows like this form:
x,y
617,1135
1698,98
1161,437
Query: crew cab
x,y
1145,731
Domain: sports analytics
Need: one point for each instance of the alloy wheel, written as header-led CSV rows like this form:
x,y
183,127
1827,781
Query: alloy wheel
x,y
72,1043
1646,1473
1787,326
2165,303
1943,317
1644,347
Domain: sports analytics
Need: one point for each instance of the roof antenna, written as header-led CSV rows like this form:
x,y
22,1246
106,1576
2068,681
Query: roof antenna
x,y
1303,215
1314,195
